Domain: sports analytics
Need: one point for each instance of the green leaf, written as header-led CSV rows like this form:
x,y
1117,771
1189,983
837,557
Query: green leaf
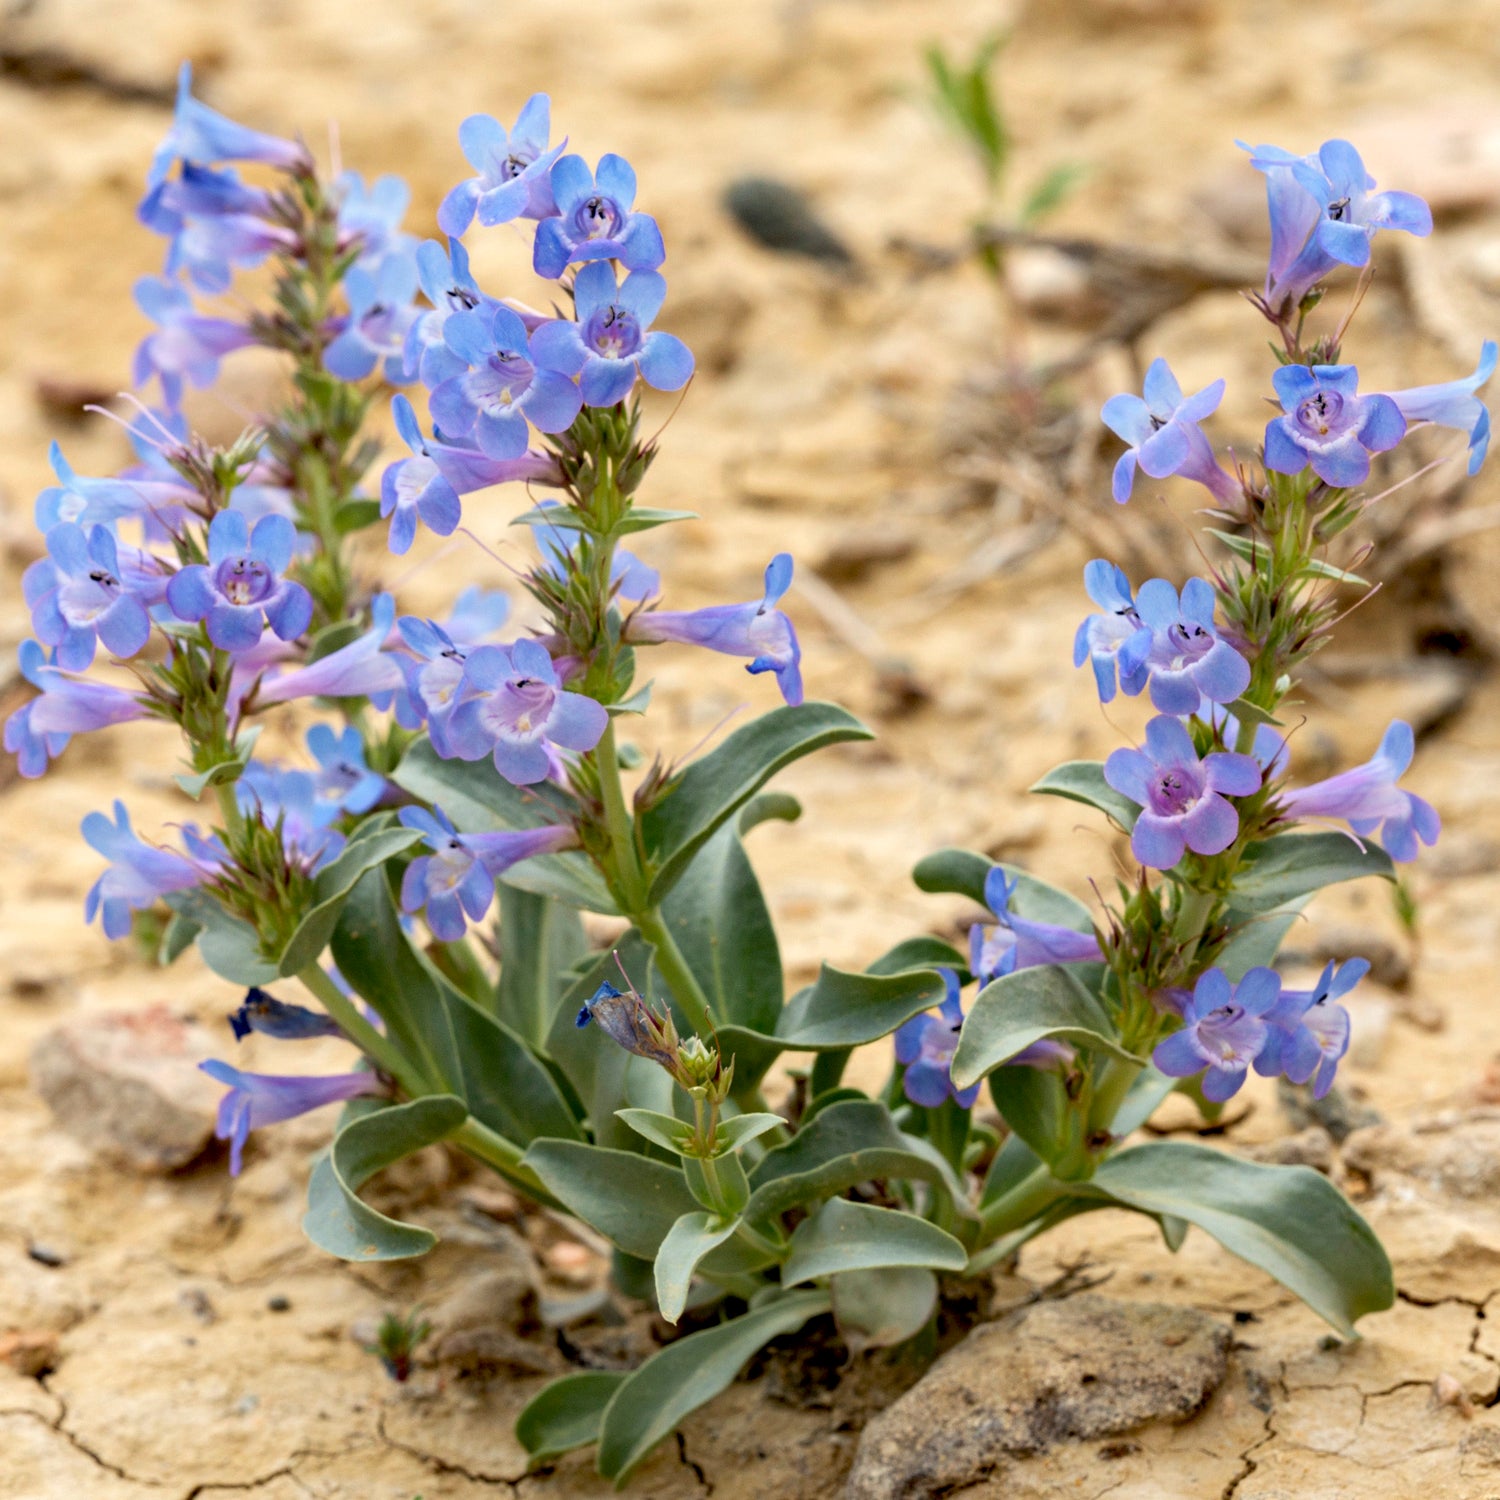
x,y
1291,1222
1014,1162
845,1236
723,927
480,800
177,937
920,953
1252,713
845,1144
1257,941
331,889
740,1130
540,941
1292,865
670,1133
355,515
639,518
963,872
337,1220
566,1414
631,1200
713,788
876,1309
689,1373
687,1242
230,947
1083,781
846,1010
1046,1000
1034,1103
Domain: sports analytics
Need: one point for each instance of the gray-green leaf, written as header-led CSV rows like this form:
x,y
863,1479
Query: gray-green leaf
x,y
845,1236
687,1242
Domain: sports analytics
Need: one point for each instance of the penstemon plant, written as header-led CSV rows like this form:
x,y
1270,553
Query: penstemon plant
x,y
452,776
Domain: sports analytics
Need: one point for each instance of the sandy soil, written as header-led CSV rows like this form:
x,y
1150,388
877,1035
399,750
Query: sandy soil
x,y
831,411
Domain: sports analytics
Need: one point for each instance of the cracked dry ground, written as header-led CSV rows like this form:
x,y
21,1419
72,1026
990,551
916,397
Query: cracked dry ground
x,y
197,1346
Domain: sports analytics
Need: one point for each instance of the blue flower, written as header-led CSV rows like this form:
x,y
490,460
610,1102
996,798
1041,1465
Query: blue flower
x,y
458,878
33,749
343,780
89,501
757,629
381,314
186,346
362,669
257,1099
1329,425
448,284
1014,942
609,345
594,220
1223,1031
1163,435
139,874
200,134
433,679
287,799
1179,794
1308,1031
241,588
216,224
80,595
1102,638
514,709
1324,214
1369,799
38,731
371,217
264,1013
1454,404
925,1046
628,1021
508,381
1186,658
513,170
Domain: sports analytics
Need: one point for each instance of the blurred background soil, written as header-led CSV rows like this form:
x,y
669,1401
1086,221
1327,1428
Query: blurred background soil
x,y
175,1336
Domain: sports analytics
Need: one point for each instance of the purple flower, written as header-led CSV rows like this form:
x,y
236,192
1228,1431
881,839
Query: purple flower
x,y
1323,215
513,170
80,595
610,344
1329,425
362,669
1308,1032
1179,795
628,1022
381,314
200,134
264,1013
38,731
1369,799
632,578
925,1046
513,709
757,629
1185,656
1454,404
33,749
1016,943
1163,435
1223,1030
257,1099
1101,638
433,680
216,224
343,780
509,380
88,501
241,589
594,220
187,346
371,217
459,877
448,284
288,800
139,874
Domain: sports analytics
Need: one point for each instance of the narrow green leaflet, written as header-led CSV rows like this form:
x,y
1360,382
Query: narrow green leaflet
x,y
480,800
1083,781
540,940
740,1130
1293,865
687,1242
714,787
876,1309
845,1236
1047,1000
963,872
846,1010
337,1220
631,1200
567,1414
1290,1221
639,518
667,1131
688,1374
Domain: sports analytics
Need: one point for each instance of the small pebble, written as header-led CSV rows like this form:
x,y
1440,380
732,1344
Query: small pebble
x,y
45,1255
1447,1391
279,1304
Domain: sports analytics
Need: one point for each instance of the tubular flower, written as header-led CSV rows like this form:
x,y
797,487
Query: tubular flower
x,y
1329,425
101,502
594,220
1224,1029
630,1023
186,346
80,595
1454,404
1163,435
360,669
215,225
1185,657
264,1013
139,875
1101,639
925,1046
381,315
1016,943
1308,1031
343,781
512,170
241,589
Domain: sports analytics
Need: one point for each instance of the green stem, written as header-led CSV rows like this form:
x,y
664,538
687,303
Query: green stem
x,y
1109,1093
504,1156
380,1050
1031,1196
623,856
229,810
681,980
